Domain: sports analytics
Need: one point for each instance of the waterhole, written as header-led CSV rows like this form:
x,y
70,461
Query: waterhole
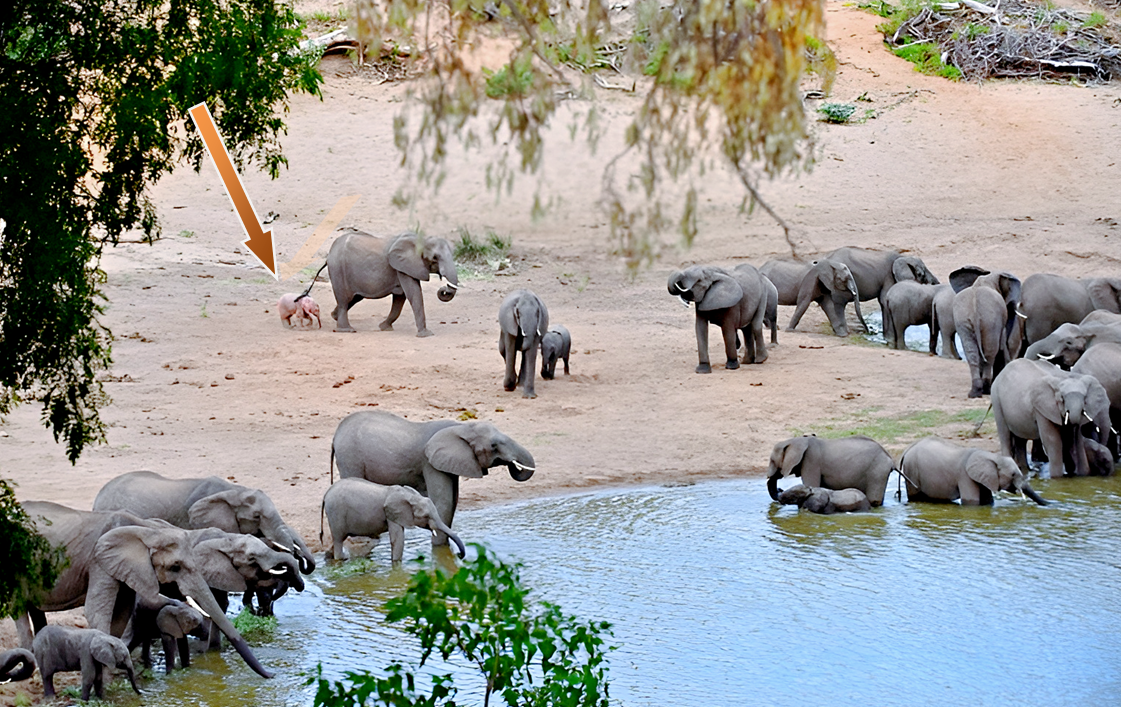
x,y
719,597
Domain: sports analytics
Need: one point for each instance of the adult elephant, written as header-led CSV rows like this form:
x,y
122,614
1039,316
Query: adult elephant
x,y
428,456
786,274
910,303
523,320
734,301
209,502
985,308
138,566
875,271
1064,346
1103,362
830,283
16,664
770,313
364,266
1051,300
851,462
1035,400
941,471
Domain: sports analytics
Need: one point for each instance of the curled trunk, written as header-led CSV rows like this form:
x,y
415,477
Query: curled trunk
x,y
772,486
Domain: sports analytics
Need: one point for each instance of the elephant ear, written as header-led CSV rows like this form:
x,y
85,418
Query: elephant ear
x,y
984,470
965,276
217,511
405,254
217,558
1105,293
124,554
448,452
904,269
722,294
792,455
1047,401
102,649
1096,397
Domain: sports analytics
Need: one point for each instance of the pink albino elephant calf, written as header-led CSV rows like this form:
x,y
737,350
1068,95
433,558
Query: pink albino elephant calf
x,y
303,307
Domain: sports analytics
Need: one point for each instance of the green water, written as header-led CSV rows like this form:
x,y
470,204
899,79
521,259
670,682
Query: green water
x,y
718,597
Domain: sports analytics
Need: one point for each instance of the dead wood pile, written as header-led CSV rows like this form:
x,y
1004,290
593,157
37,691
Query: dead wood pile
x,y
1015,39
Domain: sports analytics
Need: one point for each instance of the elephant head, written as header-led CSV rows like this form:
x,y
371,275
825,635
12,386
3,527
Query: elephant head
x,y
999,473
1007,284
908,267
471,448
1063,347
405,507
525,316
417,257
786,460
251,512
709,288
178,620
15,665
137,560
112,652
1105,293
1072,402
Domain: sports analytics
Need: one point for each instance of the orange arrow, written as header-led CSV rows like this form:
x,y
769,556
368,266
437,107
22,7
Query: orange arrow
x,y
259,242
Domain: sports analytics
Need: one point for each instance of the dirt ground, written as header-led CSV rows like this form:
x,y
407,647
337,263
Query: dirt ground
x,y
1015,176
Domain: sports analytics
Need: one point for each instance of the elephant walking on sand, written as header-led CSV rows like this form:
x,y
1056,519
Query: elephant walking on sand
x,y
850,462
829,283
364,266
428,456
356,507
941,471
735,301
985,309
910,303
523,320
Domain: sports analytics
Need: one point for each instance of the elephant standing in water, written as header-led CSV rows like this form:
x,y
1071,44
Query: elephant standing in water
x,y
851,462
428,456
734,301
60,649
523,320
1048,300
829,283
1035,400
910,303
985,314
937,470
1103,362
364,266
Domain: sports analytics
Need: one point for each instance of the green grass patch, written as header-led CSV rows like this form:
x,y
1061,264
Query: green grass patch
x,y
878,7
480,258
350,568
512,80
927,58
904,427
836,112
253,628
1095,20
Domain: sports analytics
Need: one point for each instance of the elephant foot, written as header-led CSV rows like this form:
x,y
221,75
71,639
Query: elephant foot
x,y
529,395
424,333
385,326
732,365
790,328
761,360
346,330
975,392
704,368
509,386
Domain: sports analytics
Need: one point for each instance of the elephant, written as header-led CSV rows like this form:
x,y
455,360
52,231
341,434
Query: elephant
x,y
210,502
60,649
1064,346
937,470
1050,300
428,456
358,507
786,274
985,314
1103,362
942,320
556,344
364,266
735,301
830,283
770,314
825,501
875,271
170,625
910,303
145,564
1035,400
850,462
523,320
15,665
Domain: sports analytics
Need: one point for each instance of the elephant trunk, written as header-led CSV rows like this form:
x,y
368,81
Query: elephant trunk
x,y
856,306
200,593
449,272
519,461
1030,493
1038,351
772,486
132,679
280,537
19,664
435,524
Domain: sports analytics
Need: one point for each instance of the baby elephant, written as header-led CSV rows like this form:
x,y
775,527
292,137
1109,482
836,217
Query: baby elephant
x,y
557,343
64,649
171,624
825,501
15,665
303,307
356,507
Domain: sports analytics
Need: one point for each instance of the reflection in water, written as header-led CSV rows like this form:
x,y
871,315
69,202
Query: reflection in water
x,y
719,597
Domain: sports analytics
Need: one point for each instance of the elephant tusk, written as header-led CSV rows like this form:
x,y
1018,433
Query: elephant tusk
x,y
1113,430
452,286
1088,418
1045,357
523,467
683,302
195,605
275,571
280,547
1021,315
1066,418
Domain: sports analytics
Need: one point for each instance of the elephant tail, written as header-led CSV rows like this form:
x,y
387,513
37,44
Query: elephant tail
x,y
975,325
322,504
312,283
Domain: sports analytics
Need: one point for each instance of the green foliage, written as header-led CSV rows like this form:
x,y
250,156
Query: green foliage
x,y
1095,20
927,58
472,250
350,568
836,112
30,563
513,80
974,30
529,654
878,7
253,628
821,60
93,95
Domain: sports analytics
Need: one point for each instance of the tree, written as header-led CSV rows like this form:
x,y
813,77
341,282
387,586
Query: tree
x,y
95,96
721,88
531,655
37,564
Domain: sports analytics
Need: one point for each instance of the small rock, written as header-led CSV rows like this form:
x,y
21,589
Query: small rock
x,y
229,376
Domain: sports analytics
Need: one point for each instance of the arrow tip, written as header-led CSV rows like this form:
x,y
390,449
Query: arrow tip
x,y
262,247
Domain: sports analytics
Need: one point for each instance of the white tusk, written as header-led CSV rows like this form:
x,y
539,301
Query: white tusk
x,y
1045,357
5,681
278,546
1113,430
454,287
1021,315
195,605
1087,416
1066,418
522,467
683,302
277,572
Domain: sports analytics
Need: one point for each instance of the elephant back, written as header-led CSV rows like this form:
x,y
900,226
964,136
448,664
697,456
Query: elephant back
x,y
382,447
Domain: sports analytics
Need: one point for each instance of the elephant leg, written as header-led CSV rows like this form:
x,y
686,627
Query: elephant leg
x,y
835,310
341,312
529,370
395,308
416,301
168,654
184,646
24,631
876,488
800,311
1052,439
48,686
703,366
731,336
970,492
759,350
510,353
973,356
